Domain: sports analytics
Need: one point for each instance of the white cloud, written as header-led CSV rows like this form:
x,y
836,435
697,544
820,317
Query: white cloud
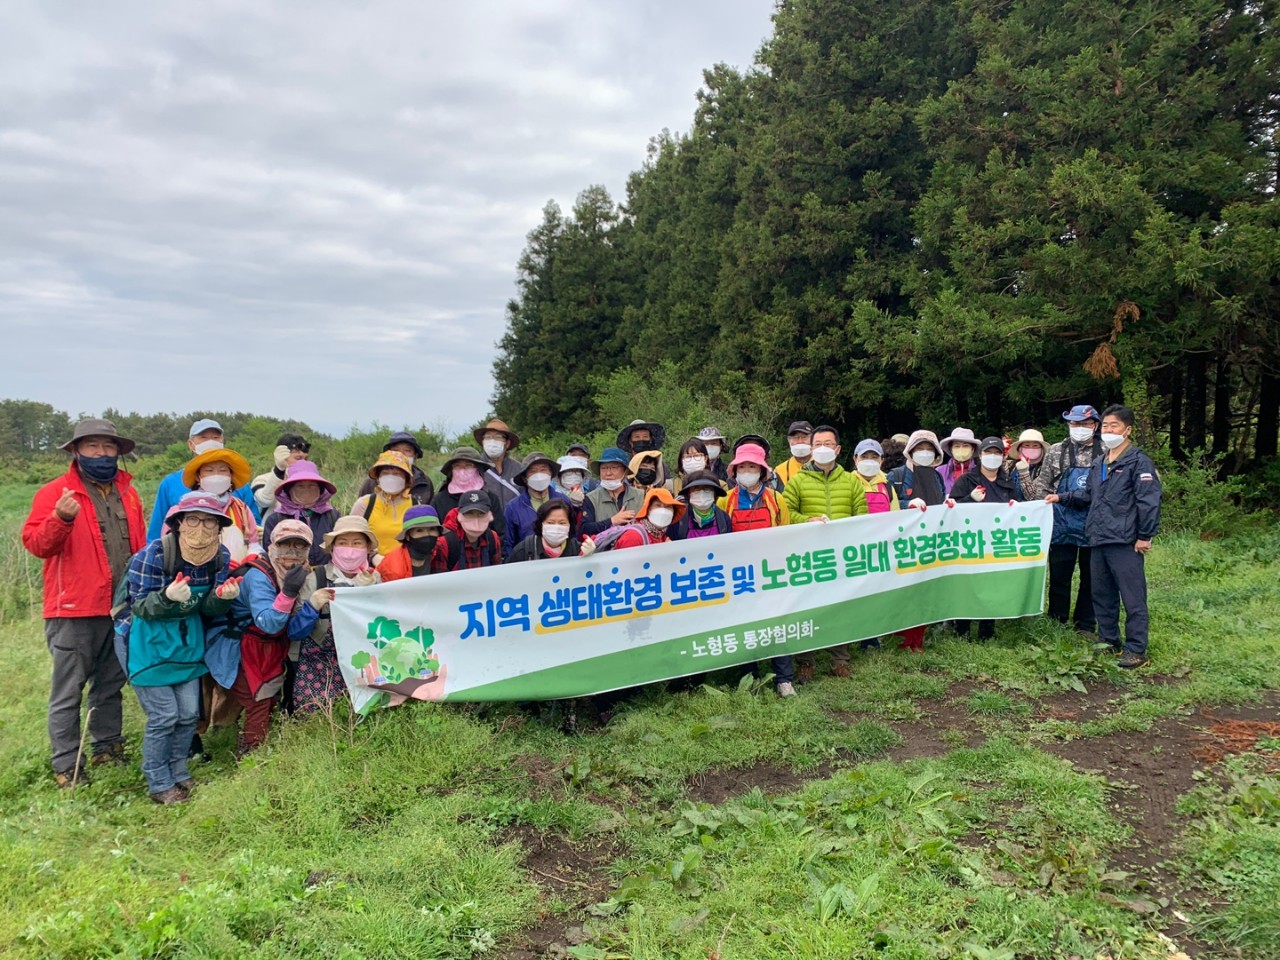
x,y
311,186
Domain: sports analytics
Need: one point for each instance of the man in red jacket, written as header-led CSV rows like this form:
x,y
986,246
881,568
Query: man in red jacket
x,y
85,526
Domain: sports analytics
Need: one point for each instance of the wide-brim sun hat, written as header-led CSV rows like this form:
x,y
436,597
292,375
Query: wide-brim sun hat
x,y
535,458
197,502
497,426
919,437
404,436
350,524
664,496
395,460
301,471
700,479
97,427
464,455
241,473
751,453
959,435
1027,436
656,430
419,516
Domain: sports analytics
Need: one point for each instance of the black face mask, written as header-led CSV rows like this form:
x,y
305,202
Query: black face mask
x,y
646,476
420,548
642,446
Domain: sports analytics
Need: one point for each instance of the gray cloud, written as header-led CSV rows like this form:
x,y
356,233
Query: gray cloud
x,y
309,192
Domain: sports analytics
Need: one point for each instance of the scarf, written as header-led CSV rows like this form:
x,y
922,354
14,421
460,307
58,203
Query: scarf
x,y
198,546
274,556
286,505
466,486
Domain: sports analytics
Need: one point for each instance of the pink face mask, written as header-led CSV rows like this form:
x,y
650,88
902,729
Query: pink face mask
x,y
1032,454
463,474
474,523
350,560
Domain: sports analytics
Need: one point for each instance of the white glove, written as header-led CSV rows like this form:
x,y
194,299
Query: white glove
x,y
282,457
917,504
321,597
179,591
588,547
979,494
366,578
949,502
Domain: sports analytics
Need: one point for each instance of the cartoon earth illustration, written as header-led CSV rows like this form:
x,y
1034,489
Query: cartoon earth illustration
x,y
405,665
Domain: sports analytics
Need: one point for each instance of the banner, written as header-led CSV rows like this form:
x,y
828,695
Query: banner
x,y
557,628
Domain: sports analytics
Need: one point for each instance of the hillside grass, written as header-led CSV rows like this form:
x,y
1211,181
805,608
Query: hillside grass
x,y
410,834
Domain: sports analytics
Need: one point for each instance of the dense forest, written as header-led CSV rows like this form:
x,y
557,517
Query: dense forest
x,y
929,213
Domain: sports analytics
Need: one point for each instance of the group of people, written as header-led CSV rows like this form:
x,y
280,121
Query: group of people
x,y
219,608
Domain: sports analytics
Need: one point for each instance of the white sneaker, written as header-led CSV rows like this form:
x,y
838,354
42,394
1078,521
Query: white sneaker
x,y
786,690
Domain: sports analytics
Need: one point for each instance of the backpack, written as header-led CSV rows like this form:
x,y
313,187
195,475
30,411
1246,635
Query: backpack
x,y
608,539
121,605
490,552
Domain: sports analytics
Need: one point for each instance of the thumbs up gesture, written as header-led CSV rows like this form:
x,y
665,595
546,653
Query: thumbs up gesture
x,y
68,507
180,590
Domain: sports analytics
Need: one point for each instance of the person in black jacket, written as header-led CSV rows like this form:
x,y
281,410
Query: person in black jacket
x,y
421,490
990,483
555,534
1123,496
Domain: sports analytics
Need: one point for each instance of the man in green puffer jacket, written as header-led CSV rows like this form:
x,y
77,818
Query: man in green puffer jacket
x,y
824,491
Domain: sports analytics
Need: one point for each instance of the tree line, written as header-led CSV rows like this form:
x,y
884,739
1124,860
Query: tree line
x,y
936,213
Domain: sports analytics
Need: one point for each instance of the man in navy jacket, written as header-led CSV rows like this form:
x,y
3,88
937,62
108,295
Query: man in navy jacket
x,y
1123,496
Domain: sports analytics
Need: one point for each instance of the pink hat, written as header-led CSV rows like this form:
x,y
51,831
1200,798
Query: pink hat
x,y
292,530
301,470
197,502
749,453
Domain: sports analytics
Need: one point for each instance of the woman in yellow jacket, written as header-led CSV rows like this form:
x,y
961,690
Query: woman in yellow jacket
x,y
386,506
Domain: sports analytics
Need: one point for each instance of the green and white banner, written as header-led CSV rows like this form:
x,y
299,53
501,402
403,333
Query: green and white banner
x,y
570,627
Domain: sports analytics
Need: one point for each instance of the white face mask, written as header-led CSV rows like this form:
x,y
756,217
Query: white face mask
x,y
1113,440
391,483
923,458
660,517
555,533
494,448
216,484
572,479
611,485
204,446
538,482
992,461
801,450
748,478
690,464
713,450
702,499
869,467
824,455
1081,434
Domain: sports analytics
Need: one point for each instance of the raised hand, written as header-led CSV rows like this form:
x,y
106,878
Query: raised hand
x,y
68,507
180,590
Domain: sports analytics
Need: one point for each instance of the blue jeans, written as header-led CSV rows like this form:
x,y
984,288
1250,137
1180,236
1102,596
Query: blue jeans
x,y
172,713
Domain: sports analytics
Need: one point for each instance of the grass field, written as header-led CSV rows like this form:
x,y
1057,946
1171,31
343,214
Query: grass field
x,y
1017,798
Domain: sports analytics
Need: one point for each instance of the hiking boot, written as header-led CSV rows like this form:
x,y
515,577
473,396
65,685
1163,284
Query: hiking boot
x,y
1130,660
785,690
112,753
70,779
172,795
804,673
841,669
187,786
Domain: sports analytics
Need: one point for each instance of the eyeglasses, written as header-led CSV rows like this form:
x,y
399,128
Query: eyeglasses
x,y
193,520
829,444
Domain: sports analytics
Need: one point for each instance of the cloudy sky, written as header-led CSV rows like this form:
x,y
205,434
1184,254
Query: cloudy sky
x,y
281,206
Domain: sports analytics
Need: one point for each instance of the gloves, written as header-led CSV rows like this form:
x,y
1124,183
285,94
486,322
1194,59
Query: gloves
x,y
588,547
366,578
1013,503
917,504
180,590
282,459
1023,466
229,589
949,502
321,597
575,496
979,494
291,583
